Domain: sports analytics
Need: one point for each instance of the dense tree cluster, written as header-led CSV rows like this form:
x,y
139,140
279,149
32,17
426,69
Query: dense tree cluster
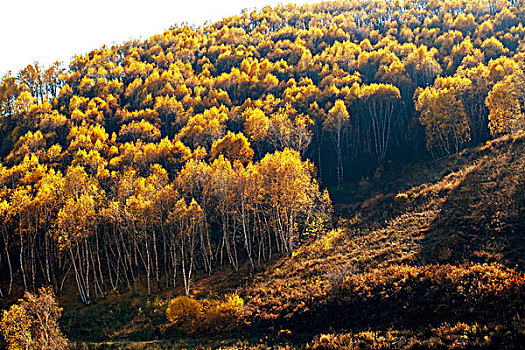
x,y
189,150
110,228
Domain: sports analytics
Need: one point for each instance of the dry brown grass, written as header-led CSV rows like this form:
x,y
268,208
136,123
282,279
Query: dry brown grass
x,y
472,212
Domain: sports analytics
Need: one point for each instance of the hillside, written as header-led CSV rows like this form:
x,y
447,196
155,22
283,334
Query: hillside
x,y
421,264
351,168
442,268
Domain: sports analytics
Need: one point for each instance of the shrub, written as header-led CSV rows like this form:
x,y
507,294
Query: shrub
x,y
233,305
185,312
33,323
364,185
16,328
198,316
325,243
223,315
338,276
401,198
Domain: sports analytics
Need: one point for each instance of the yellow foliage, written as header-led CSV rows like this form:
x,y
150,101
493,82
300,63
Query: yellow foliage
x,y
233,147
23,103
197,316
204,128
256,125
32,323
401,198
140,130
503,102
185,312
326,242
443,114
16,328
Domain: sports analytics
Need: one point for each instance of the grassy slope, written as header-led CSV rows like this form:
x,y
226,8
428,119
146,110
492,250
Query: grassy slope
x,y
470,210
442,269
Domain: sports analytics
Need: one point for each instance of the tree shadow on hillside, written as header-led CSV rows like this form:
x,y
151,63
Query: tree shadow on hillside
x,y
483,218
475,215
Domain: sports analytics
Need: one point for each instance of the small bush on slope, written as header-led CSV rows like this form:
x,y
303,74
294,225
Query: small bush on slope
x,y
205,316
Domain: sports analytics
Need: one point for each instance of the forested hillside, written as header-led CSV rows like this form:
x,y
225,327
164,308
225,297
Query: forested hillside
x,y
216,148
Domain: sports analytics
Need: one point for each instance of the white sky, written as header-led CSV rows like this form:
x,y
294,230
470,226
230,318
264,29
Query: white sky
x,y
50,30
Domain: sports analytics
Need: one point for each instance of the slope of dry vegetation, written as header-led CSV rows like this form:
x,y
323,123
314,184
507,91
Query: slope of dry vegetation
x,y
446,259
